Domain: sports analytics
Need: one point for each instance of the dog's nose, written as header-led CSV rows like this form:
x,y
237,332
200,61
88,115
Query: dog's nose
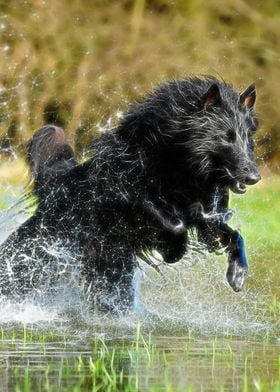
x,y
252,178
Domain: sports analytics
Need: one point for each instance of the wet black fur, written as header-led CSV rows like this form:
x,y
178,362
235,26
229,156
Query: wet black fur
x,y
149,180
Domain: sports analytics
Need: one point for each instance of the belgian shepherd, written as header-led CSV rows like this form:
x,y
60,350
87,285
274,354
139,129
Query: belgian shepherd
x,y
166,168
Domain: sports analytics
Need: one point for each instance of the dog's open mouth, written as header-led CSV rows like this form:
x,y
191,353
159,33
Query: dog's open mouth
x,y
235,185
238,187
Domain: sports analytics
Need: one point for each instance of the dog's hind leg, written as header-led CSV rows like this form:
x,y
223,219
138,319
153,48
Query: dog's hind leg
x,y
109,278
50,157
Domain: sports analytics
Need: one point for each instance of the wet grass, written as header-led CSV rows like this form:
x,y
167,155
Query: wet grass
x,y
43,362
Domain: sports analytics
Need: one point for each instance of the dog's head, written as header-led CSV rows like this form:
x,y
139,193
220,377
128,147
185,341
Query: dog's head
x,y
203,126
223,139
214,126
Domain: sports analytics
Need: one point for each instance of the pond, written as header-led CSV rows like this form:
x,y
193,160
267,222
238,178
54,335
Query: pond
x,y
188,332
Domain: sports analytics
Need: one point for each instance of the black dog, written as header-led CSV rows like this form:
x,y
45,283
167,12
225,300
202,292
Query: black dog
x,y
166,168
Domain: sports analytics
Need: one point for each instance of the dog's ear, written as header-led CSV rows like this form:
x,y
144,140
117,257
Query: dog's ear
x,y
248,97
211,98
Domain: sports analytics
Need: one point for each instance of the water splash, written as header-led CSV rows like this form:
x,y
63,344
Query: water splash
x,y
197,297
190,295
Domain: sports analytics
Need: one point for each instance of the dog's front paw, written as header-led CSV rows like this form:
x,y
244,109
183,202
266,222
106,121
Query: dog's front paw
x,y
236,275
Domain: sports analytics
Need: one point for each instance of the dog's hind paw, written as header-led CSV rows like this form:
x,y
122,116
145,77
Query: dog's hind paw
x,y
236,275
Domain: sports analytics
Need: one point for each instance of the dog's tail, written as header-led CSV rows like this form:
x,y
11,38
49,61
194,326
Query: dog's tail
x,y
49,156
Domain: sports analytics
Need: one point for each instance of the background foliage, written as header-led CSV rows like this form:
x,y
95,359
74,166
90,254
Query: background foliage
x,y
78,63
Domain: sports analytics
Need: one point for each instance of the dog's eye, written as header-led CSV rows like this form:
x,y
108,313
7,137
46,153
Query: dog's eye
x,y
231,136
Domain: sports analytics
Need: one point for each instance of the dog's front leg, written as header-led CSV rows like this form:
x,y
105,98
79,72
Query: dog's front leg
x,y
238,267
170,222
220,234
171,232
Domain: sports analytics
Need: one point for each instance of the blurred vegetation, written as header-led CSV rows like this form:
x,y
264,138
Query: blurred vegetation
x,y
78,63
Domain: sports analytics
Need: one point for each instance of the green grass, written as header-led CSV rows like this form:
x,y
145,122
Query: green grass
x,y
138,363
259,212
258,215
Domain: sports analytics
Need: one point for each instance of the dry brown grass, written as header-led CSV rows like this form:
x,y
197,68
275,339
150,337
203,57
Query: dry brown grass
x,y
85,60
